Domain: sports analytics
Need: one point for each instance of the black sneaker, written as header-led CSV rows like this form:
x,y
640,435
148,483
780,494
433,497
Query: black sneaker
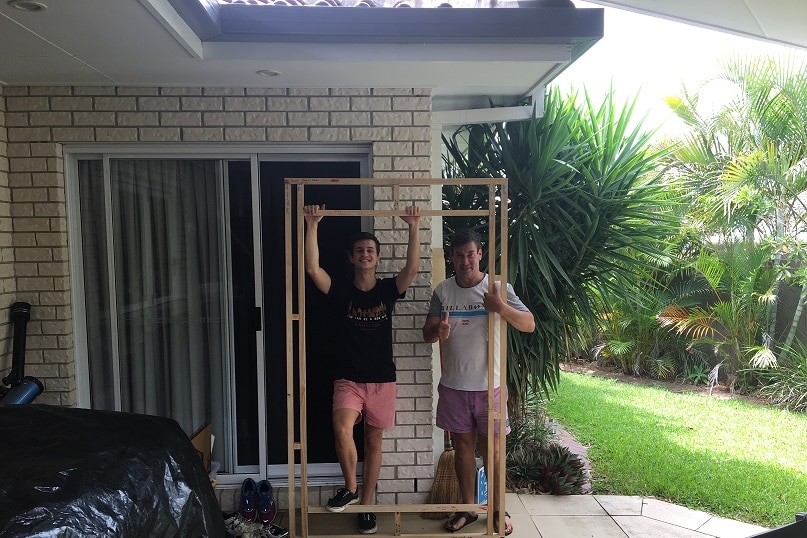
x,y
367,523
342,498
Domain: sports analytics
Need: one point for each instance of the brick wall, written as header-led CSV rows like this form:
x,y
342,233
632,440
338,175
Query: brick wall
x,y
7,283
41,120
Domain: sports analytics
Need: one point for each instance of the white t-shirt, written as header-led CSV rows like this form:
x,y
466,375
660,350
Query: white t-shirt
x,y
465,352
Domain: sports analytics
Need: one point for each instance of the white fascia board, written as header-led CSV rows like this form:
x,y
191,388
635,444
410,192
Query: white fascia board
x,y
176,26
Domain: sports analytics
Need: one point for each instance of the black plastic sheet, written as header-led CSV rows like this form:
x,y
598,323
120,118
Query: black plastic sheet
x,y
75,472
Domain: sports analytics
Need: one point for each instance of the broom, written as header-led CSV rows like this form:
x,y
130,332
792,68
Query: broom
x,y
446,487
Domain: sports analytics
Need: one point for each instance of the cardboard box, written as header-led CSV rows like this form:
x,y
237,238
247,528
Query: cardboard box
x,y
202,442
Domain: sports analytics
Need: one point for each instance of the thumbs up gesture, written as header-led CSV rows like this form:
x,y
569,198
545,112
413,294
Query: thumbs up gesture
x,y
444,329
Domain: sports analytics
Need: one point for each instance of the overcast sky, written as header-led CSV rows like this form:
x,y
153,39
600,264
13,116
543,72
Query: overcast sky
x,y
653,57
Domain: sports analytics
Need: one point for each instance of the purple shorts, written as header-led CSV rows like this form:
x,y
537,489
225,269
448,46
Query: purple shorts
x,y
464,411
376,401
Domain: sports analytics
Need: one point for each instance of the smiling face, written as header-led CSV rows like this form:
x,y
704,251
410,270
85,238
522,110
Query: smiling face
x,y
364,254
466,260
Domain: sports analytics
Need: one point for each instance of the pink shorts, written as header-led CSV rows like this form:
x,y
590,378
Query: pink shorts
x,y
376,401
466,411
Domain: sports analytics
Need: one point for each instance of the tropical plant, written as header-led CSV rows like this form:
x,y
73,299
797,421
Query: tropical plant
x,y
733,319
551,469
535,461
697,374
785,383
586,211
744,166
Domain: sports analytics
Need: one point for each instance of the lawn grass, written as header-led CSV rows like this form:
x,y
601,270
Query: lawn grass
x,y
727,457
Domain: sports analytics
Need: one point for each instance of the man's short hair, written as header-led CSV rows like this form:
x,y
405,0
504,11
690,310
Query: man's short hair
x,y
364,236
462,238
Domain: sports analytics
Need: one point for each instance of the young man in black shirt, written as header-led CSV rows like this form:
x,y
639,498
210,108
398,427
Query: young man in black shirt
x,y
365,381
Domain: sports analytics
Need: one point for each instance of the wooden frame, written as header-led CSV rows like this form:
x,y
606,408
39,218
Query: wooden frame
x,y
298,317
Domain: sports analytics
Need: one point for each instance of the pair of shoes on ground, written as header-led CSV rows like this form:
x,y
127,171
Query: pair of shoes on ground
x,y
257,501
345,497
236,525
461,519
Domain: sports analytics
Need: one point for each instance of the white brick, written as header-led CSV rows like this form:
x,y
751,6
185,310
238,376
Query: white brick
x,y
94,118
156,103
201,103
215,119
115,103
287,134
325,134
116,134
245,134
392,118
329,103
370,103
245,103
181,119
308,118
202,134
350,118
160,134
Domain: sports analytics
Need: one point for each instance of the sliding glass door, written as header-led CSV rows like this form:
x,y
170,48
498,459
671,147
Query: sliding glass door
x,y
179,274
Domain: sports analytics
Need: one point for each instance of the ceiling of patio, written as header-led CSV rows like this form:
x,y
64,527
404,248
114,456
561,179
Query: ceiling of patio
x,y
466,55
778,21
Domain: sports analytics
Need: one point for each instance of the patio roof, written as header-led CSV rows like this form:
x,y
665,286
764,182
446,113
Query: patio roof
x,y
467,56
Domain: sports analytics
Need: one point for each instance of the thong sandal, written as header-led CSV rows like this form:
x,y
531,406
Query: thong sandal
x,y
507,530
451,524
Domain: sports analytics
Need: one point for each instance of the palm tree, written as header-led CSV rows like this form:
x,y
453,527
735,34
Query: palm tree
x,y
586,211
745,165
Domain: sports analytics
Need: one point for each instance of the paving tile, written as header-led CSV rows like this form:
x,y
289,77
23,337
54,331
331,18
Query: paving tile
x,y
620,505
513,503
577,527
562,505
643,527
728,528
523,525
674,514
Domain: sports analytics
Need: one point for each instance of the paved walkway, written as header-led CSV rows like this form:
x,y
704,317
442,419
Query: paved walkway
x,y
560,516
613,516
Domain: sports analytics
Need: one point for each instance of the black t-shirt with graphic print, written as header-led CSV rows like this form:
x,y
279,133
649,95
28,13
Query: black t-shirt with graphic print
x,y
365,330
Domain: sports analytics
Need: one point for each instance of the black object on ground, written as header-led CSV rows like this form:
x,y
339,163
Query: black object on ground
x,y
78,472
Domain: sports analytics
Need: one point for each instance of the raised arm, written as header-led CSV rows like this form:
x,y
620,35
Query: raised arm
x,y
322,280
407,274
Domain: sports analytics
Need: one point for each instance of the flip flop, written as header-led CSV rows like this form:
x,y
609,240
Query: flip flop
x,y
507,530
451,524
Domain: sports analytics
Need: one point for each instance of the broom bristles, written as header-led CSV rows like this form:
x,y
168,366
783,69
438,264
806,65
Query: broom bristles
x,y
446,487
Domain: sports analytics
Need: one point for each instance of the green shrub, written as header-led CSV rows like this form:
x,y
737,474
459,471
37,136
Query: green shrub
x,y
785,385
535,460
545,469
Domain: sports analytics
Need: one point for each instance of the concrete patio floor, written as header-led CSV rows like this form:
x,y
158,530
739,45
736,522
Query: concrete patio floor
x,y
563,516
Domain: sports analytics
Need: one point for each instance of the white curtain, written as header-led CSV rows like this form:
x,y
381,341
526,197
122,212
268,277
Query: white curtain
x,y
169,287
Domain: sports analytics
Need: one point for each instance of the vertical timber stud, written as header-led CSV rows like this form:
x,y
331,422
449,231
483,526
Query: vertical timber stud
x,y
302,357
293,445
504,238
289,364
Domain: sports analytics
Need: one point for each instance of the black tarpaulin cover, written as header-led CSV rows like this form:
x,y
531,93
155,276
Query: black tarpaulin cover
x,y
75,472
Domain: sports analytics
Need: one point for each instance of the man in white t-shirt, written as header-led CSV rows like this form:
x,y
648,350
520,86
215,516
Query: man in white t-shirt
x,y
458,317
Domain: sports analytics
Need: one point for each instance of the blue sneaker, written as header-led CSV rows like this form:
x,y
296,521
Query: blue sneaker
x,y
267,510
248,508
